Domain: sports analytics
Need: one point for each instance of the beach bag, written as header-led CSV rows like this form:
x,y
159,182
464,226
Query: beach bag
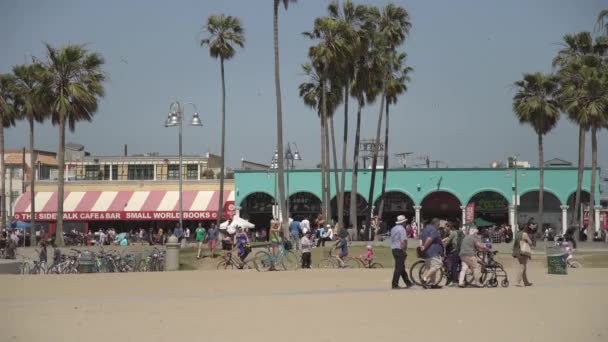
x,y
524,248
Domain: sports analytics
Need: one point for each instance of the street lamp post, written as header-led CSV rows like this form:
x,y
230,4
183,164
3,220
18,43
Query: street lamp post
x,y
289,159
176,118
513,161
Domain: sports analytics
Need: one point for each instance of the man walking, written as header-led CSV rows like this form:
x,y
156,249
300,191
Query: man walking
x,y
294,231
178,231
431,249
212,235
452,245
200,238
399,248
468,251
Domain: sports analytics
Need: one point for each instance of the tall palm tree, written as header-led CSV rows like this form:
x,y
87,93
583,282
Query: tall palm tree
x,y
535,104
326,56
602,20
224,33
393,25
75,85
396,85
575,48
7,119
277,85
33,107
353,18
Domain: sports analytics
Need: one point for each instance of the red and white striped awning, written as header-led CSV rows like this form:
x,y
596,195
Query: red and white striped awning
x,y
125,205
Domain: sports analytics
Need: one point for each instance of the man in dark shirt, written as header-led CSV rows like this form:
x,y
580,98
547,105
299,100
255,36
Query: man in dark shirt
x,y
432,249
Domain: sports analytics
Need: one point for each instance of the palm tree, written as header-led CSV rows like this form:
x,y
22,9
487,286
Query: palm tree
x,y
393,25
602,20
312,94
7,119
352,17
576,47
277,85
75,84
326,56
535,104
224,33
32,106
396,84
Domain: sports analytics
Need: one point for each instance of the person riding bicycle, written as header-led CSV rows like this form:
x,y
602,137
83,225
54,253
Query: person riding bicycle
x,y
242,244
368,256
342,244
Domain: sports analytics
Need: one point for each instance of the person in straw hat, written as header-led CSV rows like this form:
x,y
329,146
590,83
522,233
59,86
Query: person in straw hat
x,y
399,248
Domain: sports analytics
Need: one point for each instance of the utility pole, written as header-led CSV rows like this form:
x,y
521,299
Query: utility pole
x,y
403,158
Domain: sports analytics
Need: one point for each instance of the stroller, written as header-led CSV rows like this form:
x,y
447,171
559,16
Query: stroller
x,y
491,269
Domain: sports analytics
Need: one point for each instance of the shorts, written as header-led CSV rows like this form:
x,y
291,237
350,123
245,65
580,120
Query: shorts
x,y
433,262
212,244
343,254
275,243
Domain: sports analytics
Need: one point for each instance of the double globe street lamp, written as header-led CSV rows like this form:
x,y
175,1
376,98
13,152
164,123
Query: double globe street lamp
x,y
176,118
290,158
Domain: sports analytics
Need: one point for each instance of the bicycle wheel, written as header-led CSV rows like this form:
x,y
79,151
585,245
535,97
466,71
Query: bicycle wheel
x,y
264,260
376,265
225,265
436,281
575,264
415,272
143,266
328,263
290,261
350,262
250,265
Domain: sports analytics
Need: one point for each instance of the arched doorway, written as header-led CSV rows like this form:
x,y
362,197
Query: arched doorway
x,y
491,206
362,208
304,204
442,205
395,203
585,201
257,208
528,210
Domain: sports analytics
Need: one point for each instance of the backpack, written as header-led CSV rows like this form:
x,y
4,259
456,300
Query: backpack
x,y
459,239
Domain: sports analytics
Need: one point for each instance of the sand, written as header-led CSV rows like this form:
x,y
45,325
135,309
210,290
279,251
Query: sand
x,y
306,305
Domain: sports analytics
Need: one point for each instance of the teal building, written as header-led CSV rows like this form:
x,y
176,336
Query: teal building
x,y
456,193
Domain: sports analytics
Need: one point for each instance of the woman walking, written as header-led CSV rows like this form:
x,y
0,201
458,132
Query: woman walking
x,y
522,254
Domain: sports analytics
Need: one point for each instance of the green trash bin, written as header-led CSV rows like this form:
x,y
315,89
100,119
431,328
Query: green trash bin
x,y
87,261
556,260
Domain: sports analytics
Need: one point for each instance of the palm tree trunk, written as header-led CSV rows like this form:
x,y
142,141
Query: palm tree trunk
x,y
220,206
579,182
60,181
385,170
336,169
591,228
2,174
327,168
370,201
323,178
541,190
353,191
344,146
277,85
32,182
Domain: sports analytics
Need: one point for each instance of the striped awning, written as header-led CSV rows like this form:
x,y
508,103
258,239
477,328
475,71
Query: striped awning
x,y
125,205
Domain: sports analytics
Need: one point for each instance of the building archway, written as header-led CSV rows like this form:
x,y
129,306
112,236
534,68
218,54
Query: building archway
x,y
362,208
528,209
257,208
304,204
441,204
585,200
491,206
395,203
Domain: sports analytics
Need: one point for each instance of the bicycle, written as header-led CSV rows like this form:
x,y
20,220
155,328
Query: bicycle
x,y
287,259
368,263
152,262
418,268
333,261
230,262
30,266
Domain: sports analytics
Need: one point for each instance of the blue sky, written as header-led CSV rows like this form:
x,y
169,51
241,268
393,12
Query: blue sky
x,y
465,54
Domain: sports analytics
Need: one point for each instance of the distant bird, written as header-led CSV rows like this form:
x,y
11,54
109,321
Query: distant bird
x,y
124,60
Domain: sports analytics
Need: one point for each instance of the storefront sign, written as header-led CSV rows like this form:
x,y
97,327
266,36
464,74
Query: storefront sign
x,y
469,214
120,215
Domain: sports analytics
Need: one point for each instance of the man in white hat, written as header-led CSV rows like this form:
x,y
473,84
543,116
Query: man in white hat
x,y
399,248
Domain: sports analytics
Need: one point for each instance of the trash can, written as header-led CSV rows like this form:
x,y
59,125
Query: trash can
x,y
556,260
87,262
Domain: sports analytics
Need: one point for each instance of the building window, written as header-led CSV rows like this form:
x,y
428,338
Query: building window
x,y
91,172
106,172
141,172
173,171
44,172
192,171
